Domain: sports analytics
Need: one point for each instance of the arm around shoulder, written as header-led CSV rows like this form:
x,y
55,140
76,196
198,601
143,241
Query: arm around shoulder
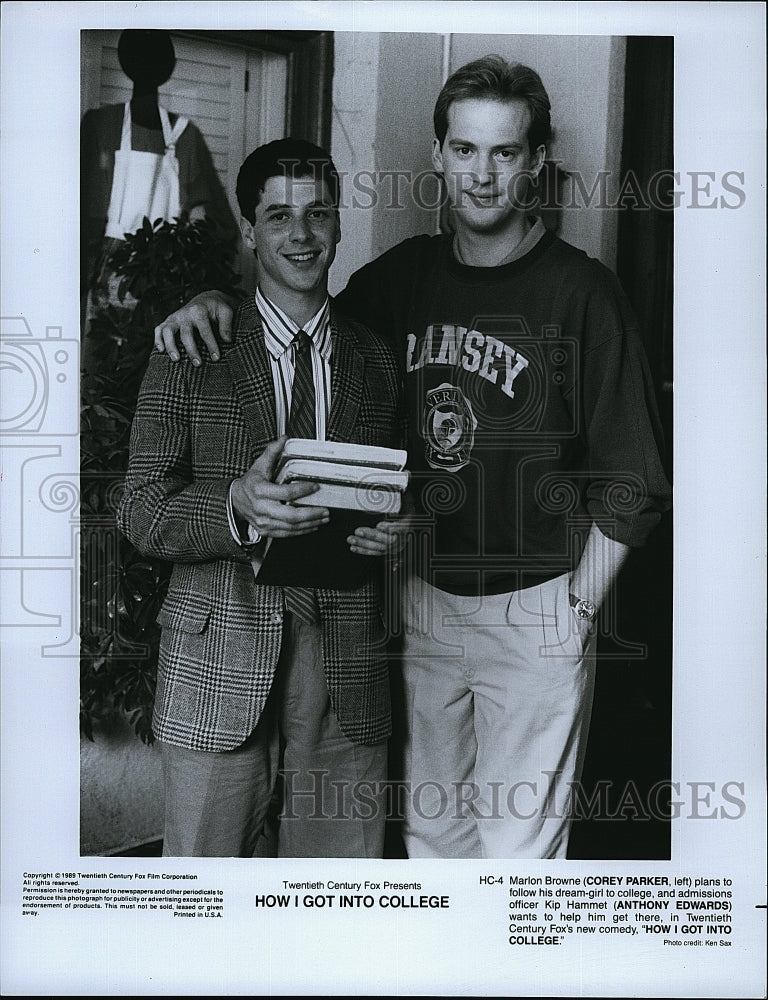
x,y
206,318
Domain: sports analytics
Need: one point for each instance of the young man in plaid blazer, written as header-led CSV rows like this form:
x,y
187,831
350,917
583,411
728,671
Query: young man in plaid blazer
x,y
272,660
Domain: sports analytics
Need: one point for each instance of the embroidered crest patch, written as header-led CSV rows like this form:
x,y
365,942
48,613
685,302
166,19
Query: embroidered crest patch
x,y
449,428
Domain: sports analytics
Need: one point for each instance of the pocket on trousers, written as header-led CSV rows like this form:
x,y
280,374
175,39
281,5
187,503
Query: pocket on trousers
x,y
572,643
560,638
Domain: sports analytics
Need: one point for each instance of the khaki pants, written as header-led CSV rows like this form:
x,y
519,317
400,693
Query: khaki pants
x,y
498,695
217,803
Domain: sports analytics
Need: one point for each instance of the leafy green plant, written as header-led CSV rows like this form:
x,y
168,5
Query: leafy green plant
x,y
158,269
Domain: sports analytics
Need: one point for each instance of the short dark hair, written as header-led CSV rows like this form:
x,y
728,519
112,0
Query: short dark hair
x,y
283,158
494,78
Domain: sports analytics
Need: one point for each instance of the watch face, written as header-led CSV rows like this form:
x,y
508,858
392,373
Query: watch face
x,y
585,610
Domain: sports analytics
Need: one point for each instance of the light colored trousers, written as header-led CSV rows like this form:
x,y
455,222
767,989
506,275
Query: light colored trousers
x,y
216,804
498,694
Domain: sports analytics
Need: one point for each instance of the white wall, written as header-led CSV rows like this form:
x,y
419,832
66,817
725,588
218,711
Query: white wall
x,y
410,77
353,133
384,88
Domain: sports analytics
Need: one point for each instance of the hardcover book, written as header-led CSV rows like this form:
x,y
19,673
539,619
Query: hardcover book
x,y
350,476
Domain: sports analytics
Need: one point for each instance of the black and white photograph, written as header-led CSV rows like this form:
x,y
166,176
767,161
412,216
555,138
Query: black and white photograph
x,y
552,430
383,521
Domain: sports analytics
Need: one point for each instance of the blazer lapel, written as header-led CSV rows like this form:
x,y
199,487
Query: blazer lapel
x,y
347,379
252,375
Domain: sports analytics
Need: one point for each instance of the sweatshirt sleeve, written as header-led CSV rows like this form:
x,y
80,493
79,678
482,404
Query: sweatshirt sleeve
x,y
627,489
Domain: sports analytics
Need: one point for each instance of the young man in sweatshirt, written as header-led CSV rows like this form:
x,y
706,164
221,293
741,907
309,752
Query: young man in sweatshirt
x,y
534,447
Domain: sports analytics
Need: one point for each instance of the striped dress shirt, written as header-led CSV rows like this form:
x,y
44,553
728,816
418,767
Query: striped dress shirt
x,y
279,332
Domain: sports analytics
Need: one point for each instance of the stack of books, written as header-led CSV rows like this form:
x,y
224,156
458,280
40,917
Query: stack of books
x,y
350,476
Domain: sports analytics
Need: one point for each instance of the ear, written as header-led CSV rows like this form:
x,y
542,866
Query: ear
x,y
246,228
338,227
437,156
537,160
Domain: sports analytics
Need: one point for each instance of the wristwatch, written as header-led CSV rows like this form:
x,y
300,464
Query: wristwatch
x,y
585,610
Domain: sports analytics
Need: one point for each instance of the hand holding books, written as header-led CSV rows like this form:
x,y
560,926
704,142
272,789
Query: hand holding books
x,y
351,476
271,508
364,487
368,479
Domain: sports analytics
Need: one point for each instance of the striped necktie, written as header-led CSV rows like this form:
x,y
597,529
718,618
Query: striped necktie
x,y
301,601
302,421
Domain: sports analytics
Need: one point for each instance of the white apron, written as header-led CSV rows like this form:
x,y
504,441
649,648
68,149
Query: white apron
x,y
144,184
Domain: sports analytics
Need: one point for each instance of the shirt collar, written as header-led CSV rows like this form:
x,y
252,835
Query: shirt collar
x,y
527,243
280,329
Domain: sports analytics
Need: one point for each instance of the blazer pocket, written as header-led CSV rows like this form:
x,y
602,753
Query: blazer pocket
x,y
192,620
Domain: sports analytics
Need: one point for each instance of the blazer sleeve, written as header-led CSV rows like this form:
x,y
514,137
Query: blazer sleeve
x,y
165,511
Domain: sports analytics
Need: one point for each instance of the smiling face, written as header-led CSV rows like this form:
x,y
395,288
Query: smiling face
x,y
487,163
294,237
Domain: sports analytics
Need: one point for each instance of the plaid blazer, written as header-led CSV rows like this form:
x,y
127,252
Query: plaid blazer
x,y
194,431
